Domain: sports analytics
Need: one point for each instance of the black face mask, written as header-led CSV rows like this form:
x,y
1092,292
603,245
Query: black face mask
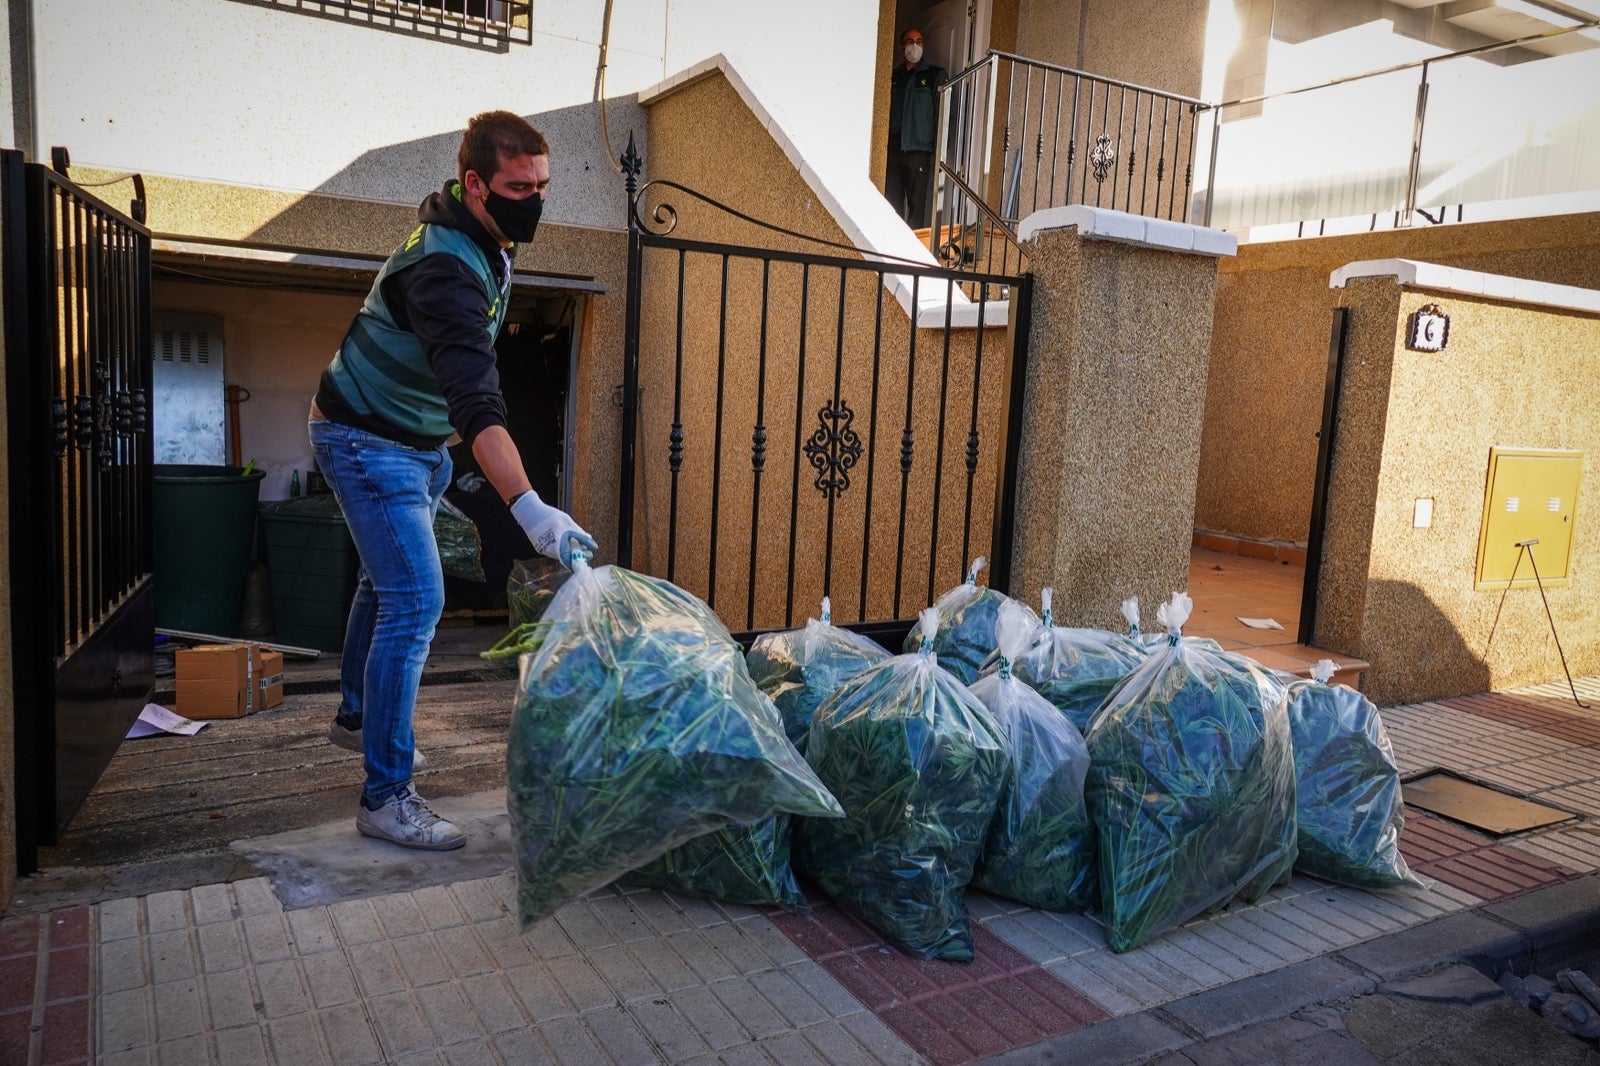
x,y
517,219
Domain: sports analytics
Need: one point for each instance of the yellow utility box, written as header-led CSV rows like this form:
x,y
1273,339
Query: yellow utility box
x,y
1532,495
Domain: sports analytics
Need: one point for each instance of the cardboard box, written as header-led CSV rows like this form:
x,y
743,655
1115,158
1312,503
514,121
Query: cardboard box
x,y
217,680
269,679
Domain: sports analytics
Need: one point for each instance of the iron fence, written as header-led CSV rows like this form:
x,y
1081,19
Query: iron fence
x,y
790,432
76,290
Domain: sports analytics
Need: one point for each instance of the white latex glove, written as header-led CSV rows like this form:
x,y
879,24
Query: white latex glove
x,y
552,530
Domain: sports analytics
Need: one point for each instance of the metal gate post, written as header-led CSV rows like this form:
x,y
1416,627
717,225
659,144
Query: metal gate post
x,y
1005,508
632,166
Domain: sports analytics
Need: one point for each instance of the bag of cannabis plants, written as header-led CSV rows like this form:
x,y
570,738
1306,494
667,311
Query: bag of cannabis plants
x,y
1075,668
636,728
800,668
1349,807
1041,845
966,625
918,764
1191,785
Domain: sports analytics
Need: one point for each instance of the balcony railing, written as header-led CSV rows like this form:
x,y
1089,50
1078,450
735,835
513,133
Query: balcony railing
x,y
478,23
1416,143
1018,135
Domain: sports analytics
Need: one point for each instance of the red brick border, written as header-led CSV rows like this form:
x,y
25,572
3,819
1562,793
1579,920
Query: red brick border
x,y
45,1009
1473,862
950,1012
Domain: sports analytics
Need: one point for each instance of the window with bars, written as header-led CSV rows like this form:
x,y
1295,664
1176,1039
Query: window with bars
x,y
487,23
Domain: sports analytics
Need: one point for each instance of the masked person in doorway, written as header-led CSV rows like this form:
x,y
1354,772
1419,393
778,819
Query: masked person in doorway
x,y
913,127
415,372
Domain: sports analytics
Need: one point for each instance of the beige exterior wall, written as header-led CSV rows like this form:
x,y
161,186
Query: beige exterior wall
x,y
1157,43
694,132
1416,425
1269,352
1111,424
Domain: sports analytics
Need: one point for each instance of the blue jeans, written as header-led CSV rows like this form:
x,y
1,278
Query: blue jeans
x,y
389,494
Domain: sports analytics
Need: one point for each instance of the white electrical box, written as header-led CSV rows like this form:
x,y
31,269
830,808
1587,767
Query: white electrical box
x,y
190,412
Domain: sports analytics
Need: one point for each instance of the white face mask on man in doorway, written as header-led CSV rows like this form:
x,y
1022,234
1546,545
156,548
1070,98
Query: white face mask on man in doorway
x,y
913,52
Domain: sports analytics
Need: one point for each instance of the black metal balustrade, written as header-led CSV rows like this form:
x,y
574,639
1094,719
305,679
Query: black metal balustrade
x,y
1018,135
789,434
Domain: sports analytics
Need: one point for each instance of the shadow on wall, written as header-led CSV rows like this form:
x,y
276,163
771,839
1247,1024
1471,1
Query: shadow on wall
x,y
1415,650
585,188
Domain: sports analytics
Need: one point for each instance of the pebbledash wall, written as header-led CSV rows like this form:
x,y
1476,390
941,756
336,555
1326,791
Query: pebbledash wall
x,y
1519,371
1269,352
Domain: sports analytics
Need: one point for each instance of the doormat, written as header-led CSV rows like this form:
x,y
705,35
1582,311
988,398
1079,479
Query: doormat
x,y
1473,803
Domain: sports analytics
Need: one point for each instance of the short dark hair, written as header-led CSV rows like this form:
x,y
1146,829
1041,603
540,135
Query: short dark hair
x,y
493,136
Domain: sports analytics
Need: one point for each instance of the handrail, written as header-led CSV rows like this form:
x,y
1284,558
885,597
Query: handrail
x,y
989,213
1102,79
1413,64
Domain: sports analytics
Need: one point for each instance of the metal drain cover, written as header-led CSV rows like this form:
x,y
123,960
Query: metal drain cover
x,y
1460,799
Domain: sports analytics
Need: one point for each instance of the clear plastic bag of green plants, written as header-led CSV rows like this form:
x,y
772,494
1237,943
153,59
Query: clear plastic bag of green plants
x,y
1075,668
966,625
918,764
460,549
1041,845
636,728
800,668
530,586
1349,808
1191,785
746,864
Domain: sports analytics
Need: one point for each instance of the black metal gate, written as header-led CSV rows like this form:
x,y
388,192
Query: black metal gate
x,y
790,432
76,277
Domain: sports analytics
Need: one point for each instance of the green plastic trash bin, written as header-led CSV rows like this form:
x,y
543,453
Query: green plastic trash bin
x,y
311,563
204,519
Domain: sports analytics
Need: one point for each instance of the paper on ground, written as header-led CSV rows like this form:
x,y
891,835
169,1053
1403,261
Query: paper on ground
x,y
157,719
1260,623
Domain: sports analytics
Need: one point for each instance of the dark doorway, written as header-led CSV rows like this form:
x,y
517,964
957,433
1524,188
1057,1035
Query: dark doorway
x,y
535,361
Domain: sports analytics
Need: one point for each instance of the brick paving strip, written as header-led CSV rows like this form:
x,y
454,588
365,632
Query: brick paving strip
x,y
45,1014
224,973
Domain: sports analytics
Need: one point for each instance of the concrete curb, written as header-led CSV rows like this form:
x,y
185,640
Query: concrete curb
x,y
1546,928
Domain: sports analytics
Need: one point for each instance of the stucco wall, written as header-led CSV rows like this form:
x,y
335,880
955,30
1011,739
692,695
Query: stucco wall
x,y
1269,352
694,132
1111,424
1420,425
309,101
1158,43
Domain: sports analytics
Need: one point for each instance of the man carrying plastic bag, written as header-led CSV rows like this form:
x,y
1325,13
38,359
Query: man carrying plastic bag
x,y
1191,784
636,728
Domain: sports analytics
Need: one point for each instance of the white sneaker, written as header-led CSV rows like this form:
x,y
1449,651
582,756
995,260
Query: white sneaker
x,y
350,740
407,820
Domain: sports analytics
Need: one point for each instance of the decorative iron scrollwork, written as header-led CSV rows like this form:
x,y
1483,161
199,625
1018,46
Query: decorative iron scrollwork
x,y
905,451
833,449
1102,157
758,449
141,412
83,423
972,451
124,406
675,449
58,426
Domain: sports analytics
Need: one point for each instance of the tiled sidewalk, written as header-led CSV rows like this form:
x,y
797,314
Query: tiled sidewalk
x,y
222,973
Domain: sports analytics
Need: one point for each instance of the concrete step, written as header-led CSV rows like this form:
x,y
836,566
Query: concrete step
x,y
1298,659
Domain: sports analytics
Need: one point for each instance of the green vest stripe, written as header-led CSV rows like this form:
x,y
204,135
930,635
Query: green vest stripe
x,y
381,369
